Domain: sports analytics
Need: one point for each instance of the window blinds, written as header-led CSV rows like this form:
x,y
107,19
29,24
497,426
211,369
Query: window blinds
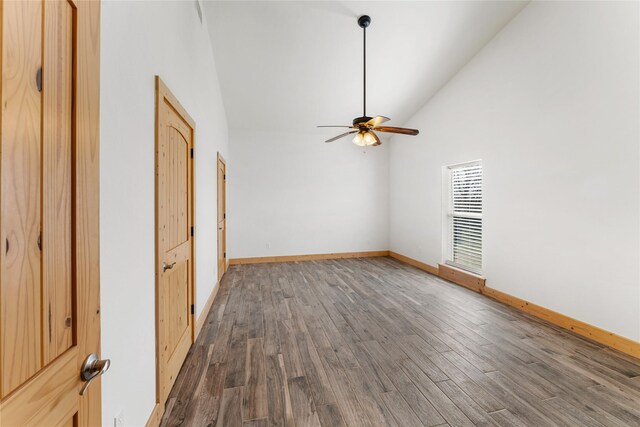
x,y
465,216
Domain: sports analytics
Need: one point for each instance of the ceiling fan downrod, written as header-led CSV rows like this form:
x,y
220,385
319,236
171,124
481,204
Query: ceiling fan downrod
x,y
364,21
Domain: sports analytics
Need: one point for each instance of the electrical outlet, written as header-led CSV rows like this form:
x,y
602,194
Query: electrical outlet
x,y
118,421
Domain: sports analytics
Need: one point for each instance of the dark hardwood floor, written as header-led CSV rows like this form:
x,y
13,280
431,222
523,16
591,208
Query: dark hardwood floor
x,y
372,341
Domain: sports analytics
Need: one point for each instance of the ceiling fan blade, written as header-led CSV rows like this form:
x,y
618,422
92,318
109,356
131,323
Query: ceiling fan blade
x,y
334,126
341,136
391,129
377,121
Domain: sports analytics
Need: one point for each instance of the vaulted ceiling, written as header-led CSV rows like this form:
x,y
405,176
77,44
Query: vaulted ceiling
x,y
289,66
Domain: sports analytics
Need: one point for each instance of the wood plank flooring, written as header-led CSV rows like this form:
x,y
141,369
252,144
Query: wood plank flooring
x,y
372,342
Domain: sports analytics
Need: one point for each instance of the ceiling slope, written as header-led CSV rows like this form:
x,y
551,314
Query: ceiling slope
x,y
289,66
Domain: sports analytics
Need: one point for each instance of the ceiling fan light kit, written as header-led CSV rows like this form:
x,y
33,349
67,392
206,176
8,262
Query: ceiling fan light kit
x,y
366,139
365,126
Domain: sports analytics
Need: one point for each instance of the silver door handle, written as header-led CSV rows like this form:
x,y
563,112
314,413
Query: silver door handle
x,y
166,266
92,367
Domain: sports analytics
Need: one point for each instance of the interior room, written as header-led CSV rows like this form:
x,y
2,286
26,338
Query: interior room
x,y
319,213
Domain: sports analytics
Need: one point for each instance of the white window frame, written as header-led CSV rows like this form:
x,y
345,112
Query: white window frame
x,y
448,215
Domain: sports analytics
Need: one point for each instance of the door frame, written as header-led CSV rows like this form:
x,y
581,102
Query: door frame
x,y
164,94
225,263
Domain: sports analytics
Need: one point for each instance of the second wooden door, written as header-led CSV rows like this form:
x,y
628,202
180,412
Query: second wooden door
x,y
222,217
174,234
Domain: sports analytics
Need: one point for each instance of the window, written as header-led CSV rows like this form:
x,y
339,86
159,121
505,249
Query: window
x,y
463,231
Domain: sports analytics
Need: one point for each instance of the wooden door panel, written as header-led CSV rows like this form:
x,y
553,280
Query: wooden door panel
x,y
174,364
220,251
221,248
220,167
51,398
177,306
176,190
57,139
20,293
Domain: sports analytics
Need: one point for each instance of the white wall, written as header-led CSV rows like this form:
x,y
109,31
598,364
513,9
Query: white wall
x,y
140,40
551,105
292,194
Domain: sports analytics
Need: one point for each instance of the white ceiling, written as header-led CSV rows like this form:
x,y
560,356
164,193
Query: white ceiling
x,y
290,66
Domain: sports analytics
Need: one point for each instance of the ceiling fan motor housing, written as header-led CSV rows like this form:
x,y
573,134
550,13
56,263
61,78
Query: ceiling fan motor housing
x,y
362,119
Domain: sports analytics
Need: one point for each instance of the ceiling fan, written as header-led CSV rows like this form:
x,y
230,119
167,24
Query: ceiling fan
x,y
365,126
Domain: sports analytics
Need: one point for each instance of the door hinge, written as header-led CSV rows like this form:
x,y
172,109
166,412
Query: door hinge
x,y
225,255
192,231
224,216
192,153
224,177
193,311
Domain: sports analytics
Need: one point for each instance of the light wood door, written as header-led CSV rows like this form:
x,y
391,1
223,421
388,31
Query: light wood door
x,y
174,210
49,210
222,217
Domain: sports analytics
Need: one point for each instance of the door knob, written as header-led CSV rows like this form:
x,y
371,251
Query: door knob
x,y
92,367
166,266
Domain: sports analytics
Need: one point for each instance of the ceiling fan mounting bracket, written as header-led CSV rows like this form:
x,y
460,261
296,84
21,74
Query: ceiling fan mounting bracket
x,y
364,21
